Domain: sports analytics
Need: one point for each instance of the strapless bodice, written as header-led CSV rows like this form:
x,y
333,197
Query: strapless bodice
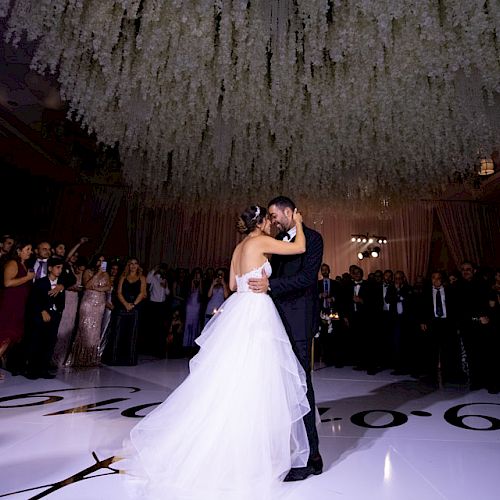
x,y
242,281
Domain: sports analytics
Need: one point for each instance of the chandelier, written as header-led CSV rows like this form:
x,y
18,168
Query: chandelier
x,y
228,100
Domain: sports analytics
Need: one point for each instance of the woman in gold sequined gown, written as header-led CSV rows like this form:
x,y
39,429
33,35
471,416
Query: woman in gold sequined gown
x,y
85,350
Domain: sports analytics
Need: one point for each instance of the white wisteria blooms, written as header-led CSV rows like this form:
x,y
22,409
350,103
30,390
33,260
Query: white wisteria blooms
x,y
231,99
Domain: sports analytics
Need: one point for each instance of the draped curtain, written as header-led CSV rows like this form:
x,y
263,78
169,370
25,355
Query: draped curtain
x,y
462,224
491,218
200,236
86,210
181,237
206,237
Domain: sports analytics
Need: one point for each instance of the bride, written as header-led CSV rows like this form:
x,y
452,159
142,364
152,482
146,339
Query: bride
x,y
234,427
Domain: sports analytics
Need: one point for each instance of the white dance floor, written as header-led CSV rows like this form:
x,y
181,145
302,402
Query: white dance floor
x,y
381,437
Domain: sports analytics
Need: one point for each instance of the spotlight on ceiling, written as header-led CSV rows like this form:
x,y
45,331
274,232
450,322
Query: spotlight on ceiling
x,y
353,239
375,252
364,255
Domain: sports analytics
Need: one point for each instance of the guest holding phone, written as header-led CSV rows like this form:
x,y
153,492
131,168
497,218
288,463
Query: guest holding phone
x,y
193,306
85,351
72,285
217,294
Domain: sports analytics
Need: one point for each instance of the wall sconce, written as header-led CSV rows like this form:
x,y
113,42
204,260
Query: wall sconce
x,y
487,167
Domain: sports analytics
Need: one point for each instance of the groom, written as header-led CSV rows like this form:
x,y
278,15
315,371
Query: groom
x,y
293,288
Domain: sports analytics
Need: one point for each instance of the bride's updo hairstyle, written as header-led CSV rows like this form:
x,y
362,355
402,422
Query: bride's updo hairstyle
x,y
249,219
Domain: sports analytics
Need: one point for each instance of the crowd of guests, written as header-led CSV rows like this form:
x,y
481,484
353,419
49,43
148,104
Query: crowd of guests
x,y
58,309
443,330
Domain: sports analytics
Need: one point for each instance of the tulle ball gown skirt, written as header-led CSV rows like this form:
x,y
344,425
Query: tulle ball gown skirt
x,y
234,427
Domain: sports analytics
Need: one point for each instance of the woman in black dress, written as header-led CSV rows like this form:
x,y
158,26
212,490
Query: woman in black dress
x,y
131,292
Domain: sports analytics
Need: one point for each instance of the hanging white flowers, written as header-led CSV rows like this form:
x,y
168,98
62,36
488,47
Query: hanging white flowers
x,y
232,99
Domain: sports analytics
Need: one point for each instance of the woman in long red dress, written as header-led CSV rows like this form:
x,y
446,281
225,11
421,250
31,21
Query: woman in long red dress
x,y
17,282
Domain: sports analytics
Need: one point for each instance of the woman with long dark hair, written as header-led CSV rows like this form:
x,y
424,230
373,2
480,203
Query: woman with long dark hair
x,y
235,426
17,281
85,351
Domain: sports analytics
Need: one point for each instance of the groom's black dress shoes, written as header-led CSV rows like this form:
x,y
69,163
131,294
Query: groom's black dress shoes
x,y
314,467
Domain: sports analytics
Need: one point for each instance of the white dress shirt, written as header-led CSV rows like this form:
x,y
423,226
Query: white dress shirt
x,y
385,287
443,301
157,293
290,234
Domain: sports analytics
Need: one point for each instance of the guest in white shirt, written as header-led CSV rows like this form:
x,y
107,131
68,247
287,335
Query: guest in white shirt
x,y
156,313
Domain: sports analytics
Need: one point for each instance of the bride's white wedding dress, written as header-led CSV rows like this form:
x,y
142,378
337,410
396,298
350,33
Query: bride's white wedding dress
x,y
234,427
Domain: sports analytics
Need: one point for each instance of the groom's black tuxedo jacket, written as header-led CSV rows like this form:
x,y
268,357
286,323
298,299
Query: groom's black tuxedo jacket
x,y
294,287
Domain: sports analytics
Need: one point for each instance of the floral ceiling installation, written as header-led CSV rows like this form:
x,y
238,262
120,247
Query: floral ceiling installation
x,y
234,99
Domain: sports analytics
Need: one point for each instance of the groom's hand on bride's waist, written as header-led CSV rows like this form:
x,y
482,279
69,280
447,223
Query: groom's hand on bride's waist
x,y
259,285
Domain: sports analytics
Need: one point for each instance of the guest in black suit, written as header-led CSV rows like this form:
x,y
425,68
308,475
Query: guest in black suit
x,y
494,335
293,287
331,336
438,320
382,321
38,261
358,312
44,315
473,311
328,290
400,300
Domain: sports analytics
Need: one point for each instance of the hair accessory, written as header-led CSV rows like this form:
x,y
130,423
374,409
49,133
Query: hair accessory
x,y
257,212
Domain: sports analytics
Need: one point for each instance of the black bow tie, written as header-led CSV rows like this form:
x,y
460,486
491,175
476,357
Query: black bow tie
x,y
358,282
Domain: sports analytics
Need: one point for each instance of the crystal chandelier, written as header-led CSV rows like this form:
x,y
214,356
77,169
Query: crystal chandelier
x,y
228,100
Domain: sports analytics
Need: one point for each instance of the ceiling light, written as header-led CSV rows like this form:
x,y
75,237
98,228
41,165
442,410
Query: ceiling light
x,y
487,167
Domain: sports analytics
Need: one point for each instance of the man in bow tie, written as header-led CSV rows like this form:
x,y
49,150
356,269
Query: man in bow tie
x,y
358,303
293,287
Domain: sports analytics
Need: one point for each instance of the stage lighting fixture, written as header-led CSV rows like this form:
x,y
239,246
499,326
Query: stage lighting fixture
x,y
375,252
